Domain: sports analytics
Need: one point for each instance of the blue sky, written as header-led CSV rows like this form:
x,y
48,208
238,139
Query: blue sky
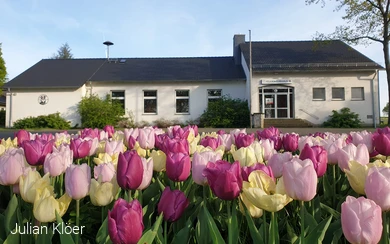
x,y
31,30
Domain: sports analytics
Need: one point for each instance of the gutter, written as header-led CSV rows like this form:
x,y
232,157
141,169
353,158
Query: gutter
x,y
373,98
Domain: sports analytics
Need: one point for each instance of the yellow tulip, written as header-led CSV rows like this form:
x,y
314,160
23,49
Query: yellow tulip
x,y
193,142
30,183
118,136
248,156
140,151
254,211
103,193
357,174
45,205
159,160
106,158
262,192
2,149
7,143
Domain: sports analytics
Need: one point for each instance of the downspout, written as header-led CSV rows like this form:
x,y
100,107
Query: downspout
x,y
373,98
10,108
250,79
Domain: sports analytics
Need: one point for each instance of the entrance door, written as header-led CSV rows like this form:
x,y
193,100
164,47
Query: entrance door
x,y
276,102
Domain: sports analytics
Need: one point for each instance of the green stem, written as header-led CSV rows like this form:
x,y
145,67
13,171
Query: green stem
x,y
11,192
77,218
265,227
165,232
129,198
103,213
140,196
385,232
230,229
334,186
302,203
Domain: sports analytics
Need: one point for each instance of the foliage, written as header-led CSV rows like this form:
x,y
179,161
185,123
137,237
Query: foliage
x,y
96,112
164,123
2,118
127,122
385,110
226,113
3,69
53,121
64,52
366,21
343,119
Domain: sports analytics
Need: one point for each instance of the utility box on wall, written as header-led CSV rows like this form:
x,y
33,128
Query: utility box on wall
x,y
258,120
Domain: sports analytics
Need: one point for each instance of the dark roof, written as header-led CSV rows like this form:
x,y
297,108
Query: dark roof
x,y
306,55
73,73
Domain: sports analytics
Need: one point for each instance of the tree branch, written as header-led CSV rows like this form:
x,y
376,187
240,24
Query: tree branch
x,y
374,5
363,37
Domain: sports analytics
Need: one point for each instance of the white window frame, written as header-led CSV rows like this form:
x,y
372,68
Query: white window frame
x,y
149,98
338,99
359,98
182,98
120,98
319,99
213,97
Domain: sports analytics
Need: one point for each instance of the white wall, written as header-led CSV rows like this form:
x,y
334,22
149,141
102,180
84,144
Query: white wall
x,y
24,103
303,84
166,103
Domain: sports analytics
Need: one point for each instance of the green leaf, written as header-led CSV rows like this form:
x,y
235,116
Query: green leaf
x,y
330,210
65,238
10,215
291,234
256,237
333,231
232,224
148,236
318,233
310,222
45,236
102,236
3,235
207,230
184,234
273,229
12,238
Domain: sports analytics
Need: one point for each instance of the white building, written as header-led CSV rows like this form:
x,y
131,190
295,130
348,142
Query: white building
x,y
290,81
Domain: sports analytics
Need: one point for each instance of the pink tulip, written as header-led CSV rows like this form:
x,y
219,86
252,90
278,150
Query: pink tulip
x,y
22,136
36,150
377,186
247,170
199,162
146,138
131,136
177,132
109,129
268,148
94,146
77,180
273,134
104,171
58,161
147,174
333,147
276,162
89,133
112,147
178,166
224,179
193,128
226,140
176,145
129,170
211,142
45,137
381,143
361,220
351,152
290,142
12,166
363,137
319,157
244,140
300,179
172,204
125,222
80,147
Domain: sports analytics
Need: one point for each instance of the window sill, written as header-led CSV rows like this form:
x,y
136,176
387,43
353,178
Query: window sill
x,y
357,99
182,113
149,113
337,99
318,100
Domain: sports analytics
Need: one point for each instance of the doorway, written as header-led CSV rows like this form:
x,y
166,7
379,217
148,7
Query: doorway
x,y
276,102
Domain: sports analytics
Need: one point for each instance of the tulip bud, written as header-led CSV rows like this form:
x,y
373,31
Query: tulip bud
x,y
36,150
244,140
130,170
199,162
277,161
102,193
319,157
172,204
159,160
211,142
146,138
45,205
80,147
109,129
352,153
58,161
22,136
178,166
290,142
12,166
377,186
147,174
104,171
77,181
381,143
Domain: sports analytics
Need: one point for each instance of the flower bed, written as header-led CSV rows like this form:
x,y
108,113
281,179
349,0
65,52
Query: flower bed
x,y
151,185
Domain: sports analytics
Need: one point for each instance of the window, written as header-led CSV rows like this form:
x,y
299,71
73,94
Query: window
x,y
338,93
183,101
214,94
357,93
119,97
150,102
319,93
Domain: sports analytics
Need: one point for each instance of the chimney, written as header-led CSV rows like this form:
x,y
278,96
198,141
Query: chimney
x,y
108,44
237,40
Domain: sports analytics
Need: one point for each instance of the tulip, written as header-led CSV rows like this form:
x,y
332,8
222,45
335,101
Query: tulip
x,y
290,142
118,136
109,129
146,137
177,132
58,161
377,186
254,211
80,147
211,142
147,174
104,158
125,222
130,170
224,179
94,146
352,153
300,179
28,185
12,166
247,170
268,148
77,181
46,205
36,150
363,137
262,192
250,155
361,220
277,161
273,134
226,141
159,160
61,138
22,136
89,133
112,147
178,166
131,136
103,193
244,140
7,143
105,172
333,147
312,141
381,143
199,162
176,145
356,175
44,137
172,204
319,157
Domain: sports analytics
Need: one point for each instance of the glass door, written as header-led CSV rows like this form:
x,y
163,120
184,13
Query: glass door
x,y
269,108
276,102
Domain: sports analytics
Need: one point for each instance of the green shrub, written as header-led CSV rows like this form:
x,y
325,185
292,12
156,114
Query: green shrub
x,y
96,112
343,119
2,118
226,113
53,121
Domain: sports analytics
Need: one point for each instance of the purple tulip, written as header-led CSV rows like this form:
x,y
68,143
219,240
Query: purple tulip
x,y
377,186
224,179
211,142
125,222
319,157
45,137
199,162
80,147
172,204
77,180
109,129
244,140
22,136
178,166
129,170
58,161
247,170
178,132
104,171
12,166
273,134
36,150
361,220
290,142
176,145
131,136
89,133
381,144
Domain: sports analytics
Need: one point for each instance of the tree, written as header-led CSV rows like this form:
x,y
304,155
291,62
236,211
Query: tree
x,y
3,69
385,110
64,52
366,21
